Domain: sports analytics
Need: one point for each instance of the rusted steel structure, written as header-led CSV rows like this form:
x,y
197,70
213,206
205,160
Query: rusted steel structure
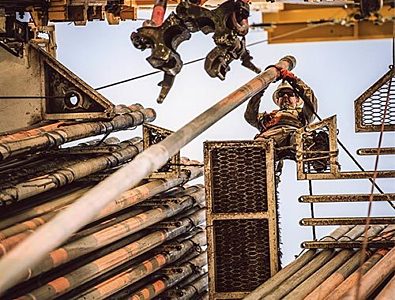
x,y
144,229
242,232
59,228
331,273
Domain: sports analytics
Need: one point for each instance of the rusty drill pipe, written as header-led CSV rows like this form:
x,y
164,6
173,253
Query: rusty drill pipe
x,y
351,280
308,285
64,284
136,273
128,198
114,233
374,277
284,274
70,174
325,288
388,291
168,280
190,290
33,132
10,243
54,233
69,133
42,209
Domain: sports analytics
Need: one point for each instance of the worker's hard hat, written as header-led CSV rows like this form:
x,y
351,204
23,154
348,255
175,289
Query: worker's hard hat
x,y
282,86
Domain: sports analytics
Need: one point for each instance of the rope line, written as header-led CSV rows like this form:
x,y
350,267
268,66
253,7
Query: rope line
x,y
366,237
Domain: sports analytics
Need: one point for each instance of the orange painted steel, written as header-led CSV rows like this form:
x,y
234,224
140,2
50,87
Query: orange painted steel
x,y
350,281
59,229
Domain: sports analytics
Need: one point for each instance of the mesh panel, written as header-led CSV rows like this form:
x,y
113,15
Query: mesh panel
x,y
239,180
242,254
373,107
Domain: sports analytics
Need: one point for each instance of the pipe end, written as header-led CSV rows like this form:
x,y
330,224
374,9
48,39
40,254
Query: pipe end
x,y
291,60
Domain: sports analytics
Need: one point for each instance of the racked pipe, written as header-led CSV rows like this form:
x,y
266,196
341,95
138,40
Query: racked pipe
x,y
46,212
308,285
335,279
63,284
112,285
187,292
388,291
373,278
69,133
54,233
350,281
114,233
293,267
44,208
38,185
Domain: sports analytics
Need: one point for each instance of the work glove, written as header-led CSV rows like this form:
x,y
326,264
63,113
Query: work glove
x,y
287,75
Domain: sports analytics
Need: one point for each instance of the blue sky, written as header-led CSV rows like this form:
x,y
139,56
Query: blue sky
x,y
338,72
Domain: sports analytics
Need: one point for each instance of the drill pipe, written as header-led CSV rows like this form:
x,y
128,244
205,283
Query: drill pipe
x,y
136,273
284,274
33,132
351,281
114,233
9,243
54,233
63,284
71,173
190,290
168,279
374,277
42,209
388,291
325,288
127,199
69,133
308,285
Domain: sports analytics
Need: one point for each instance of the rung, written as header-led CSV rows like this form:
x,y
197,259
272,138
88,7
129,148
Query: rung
x,y
346,244
374,151
346,198
345,221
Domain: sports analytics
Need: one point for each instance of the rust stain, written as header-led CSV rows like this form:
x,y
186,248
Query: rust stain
x,y
29,133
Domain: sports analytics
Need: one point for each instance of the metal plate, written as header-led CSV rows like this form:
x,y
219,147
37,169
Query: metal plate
x,y
370,106
241,216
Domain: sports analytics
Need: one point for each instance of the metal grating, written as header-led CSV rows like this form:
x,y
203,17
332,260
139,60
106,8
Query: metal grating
x,y
370,106
243,260
241,216
152,135
235,180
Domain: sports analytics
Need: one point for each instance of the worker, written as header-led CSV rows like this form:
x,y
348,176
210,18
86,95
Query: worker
x,y
293,113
